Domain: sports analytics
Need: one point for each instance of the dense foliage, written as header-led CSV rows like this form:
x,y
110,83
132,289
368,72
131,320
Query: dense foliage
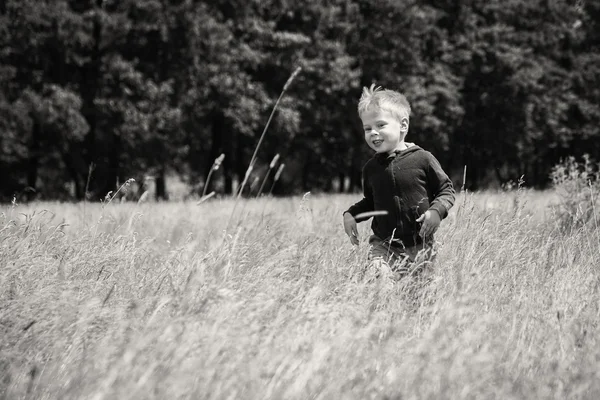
x,y
95,92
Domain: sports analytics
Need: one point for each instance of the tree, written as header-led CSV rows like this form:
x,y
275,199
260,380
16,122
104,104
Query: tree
x,y
138,87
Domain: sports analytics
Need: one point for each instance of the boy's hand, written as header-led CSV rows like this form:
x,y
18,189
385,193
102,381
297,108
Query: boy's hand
x,y
350,228
431,221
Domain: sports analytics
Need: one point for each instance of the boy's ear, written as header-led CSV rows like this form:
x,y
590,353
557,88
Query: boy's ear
x,y
404,125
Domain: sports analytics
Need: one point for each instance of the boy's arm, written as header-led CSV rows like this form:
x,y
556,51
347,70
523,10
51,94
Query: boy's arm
x,y
365,204
440,186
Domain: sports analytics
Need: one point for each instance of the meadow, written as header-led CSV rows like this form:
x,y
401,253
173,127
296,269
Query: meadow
x,y
161,301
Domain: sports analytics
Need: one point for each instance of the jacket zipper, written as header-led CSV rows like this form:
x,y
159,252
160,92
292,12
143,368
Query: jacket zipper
x,y
397,207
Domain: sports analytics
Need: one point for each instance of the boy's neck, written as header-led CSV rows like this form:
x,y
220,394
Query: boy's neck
x,y
401,146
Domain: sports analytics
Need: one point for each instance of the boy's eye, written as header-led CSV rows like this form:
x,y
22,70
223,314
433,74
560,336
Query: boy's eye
x,y
380,125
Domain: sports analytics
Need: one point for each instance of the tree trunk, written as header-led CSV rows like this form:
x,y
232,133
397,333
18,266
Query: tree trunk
x,y
89,90
536,173
502,179
306,172
33,161
355,169
162,75
238,164
342,178
69,165
114,177
161,185
229,151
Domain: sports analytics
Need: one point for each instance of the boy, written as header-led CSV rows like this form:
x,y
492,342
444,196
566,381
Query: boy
x,y
402,181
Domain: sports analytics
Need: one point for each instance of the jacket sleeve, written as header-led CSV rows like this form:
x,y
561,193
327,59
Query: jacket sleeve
x,y
440,186
366,203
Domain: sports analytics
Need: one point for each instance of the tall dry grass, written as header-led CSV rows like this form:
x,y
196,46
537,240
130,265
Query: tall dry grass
x,y
155,301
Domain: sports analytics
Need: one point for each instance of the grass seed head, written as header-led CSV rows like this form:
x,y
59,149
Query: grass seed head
x,y
279,170
274,161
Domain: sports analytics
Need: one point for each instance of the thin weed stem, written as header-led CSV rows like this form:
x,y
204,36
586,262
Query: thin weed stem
x,y
595,216
85,193
110,196
271,166
276,178
262,136
215,166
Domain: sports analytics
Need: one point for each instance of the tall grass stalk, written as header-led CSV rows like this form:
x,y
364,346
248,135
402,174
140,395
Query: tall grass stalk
x,y
260,140
594,213
271,166
205,197
253,185
110,196
262,136
214,167
276,178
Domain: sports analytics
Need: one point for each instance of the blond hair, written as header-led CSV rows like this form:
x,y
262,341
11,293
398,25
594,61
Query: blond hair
x,y
384,99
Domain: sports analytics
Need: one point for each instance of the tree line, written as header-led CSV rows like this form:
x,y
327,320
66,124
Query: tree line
x,y
93,92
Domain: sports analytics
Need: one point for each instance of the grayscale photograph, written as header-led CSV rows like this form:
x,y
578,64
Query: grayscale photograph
x,y
299,199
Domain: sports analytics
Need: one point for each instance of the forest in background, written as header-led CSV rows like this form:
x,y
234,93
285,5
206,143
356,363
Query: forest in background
x,y
95,92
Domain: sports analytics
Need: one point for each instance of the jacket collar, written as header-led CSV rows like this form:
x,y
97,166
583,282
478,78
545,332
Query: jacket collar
x,y
384,156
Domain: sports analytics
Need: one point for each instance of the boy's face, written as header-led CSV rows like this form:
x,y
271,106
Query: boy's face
x,y
384,133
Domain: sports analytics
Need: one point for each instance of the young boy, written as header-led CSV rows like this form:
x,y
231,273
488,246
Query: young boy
x,y
402,183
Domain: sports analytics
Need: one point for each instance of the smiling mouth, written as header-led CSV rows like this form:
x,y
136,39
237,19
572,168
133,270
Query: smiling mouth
x,y
377,142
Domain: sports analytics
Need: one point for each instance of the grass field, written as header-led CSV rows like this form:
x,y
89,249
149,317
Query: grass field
x,y
157,301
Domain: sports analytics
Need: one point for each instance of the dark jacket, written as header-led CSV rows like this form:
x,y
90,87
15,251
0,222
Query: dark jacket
x,y
405,184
